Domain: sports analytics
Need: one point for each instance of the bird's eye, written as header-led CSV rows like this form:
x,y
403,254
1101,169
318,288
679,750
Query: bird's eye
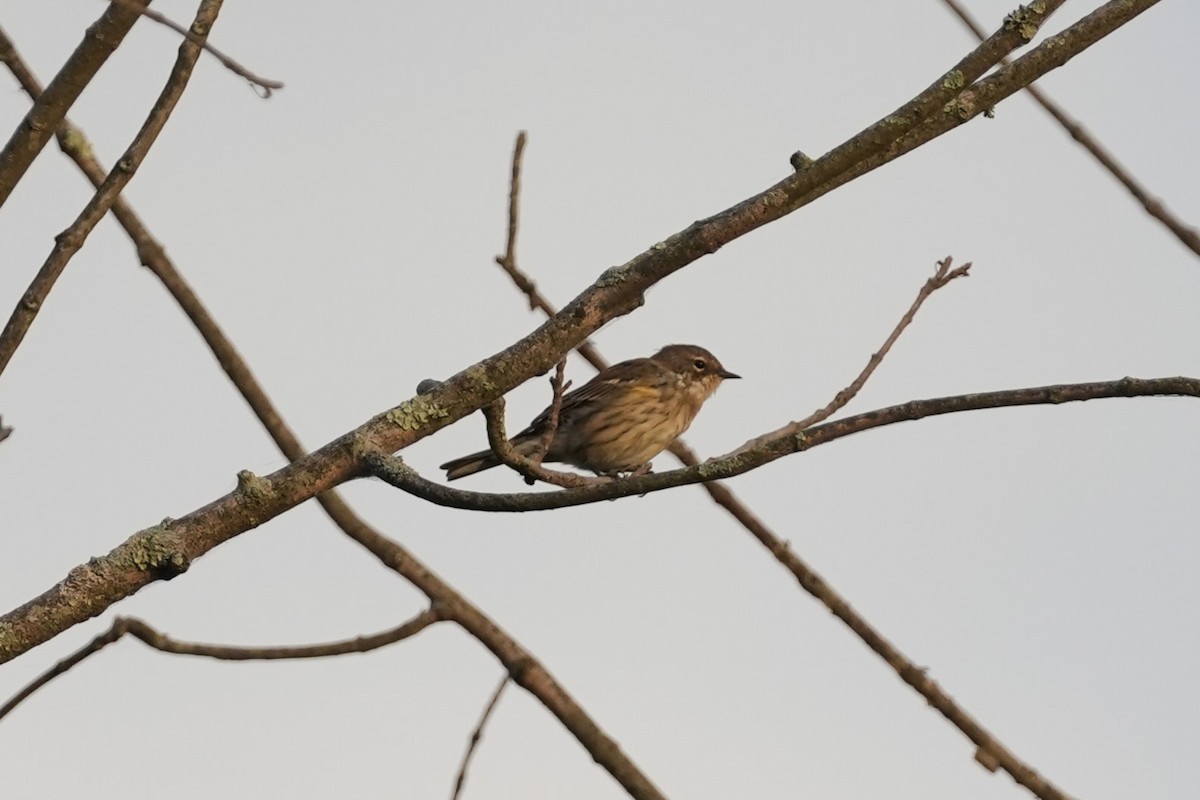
x,y
699,364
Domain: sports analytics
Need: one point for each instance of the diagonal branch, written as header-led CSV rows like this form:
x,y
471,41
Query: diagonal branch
x,y
1154,207
974,99
942,275
990,752
476,735
102,38
68,243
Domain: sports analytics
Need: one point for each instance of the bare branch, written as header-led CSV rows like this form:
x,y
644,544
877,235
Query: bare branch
x,y
69,242
618,291
159,641
991,753
1189,236
101,39
523,667
267,85
4,432
475,737
255,488
557,386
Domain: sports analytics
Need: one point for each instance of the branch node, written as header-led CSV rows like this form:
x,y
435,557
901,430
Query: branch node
x,y
800,161
987,759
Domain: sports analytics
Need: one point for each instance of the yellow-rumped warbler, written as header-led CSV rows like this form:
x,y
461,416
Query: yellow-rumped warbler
x,y
620,419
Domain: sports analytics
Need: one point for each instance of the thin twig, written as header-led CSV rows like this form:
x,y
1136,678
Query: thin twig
x,y
1189,236
68,243
160,641
942,275
531,469
508,261
94,646
514,209
557,386
267,85
475,737
359,644
4,432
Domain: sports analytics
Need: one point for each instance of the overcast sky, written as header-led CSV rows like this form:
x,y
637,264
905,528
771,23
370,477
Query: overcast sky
x,y
1040,562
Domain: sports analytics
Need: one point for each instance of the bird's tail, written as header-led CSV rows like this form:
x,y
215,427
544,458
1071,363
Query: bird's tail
x,y
469,465
524,443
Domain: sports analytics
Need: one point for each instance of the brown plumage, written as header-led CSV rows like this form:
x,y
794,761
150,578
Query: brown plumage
x,y
620,419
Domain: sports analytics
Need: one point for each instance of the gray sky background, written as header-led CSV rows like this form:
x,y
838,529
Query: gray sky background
x,y
1040,562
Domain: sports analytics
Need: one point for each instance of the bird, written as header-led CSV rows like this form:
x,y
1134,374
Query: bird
x,y
620,419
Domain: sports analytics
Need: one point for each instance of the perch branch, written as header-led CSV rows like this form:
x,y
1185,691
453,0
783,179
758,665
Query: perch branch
x,y
763,450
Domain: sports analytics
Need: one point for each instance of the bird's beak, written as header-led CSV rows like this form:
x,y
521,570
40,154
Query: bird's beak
x,y
726,374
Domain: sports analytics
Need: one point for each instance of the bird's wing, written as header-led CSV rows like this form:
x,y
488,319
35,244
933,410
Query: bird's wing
x,y
605,385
